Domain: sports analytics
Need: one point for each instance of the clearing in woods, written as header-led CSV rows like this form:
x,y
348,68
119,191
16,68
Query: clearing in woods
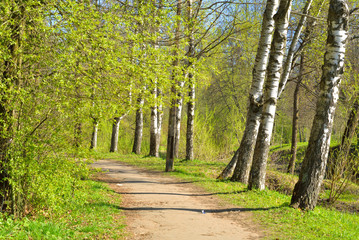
x,y
164,208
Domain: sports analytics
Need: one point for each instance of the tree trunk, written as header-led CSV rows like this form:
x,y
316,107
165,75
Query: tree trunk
x,y
94,134
258,171
115,134
245,151
289,61
179,106
228,170
171,141
10,78
139,128
190,121
154,127
350,128
159,121
191,92
306,191
171,136
293,148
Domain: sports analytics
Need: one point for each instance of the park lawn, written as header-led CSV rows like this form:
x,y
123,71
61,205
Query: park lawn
x,y
93,214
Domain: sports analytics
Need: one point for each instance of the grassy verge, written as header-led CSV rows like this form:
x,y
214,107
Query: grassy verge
x,y
93,214
271,209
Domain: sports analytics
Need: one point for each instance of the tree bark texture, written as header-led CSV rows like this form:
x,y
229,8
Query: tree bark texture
x,y
171,137
179,106
191,87
295,118
244,162
228,170
115,133
159,121
154,127
190,120
306,191
94,134
258,171
137,142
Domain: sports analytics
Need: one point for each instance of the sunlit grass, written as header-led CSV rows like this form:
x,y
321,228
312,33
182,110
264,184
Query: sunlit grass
x,y
93,214
270,208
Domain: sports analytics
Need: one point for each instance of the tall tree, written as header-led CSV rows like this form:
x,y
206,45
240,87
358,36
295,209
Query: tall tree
x,y
154,125
241,166
257,174
10,80
156,109
191,84
171,139
295,118
306,190
139,127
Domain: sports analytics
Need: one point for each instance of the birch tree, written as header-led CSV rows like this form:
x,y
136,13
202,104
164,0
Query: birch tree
x,y
156,109
257,174
245,150
191,83
306,190
171,138
139,127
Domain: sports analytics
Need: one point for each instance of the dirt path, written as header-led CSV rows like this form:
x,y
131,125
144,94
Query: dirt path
x,y
163,208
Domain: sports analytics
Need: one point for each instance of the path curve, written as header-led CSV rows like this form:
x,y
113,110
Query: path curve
x,y
164,208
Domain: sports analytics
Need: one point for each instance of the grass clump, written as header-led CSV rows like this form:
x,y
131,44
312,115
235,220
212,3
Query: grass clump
x,y
92,213
271,208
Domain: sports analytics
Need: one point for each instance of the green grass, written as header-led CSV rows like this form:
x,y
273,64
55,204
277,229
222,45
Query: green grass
x,y
271,209
93,214
300,145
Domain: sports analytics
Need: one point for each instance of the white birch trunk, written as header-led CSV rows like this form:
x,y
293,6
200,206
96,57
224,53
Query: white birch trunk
x,y
192,87
115,133
179,106
94,134
289,61
159,120
257,174
137,142
154,125
244,162
306,191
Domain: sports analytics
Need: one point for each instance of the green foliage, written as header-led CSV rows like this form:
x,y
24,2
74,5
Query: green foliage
x,y
91,213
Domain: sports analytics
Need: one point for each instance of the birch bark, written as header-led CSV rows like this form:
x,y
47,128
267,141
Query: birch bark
x,y
191,86
306,191
241,170
159,120
137,142
115,133
179,106
257,174
154,126
94,134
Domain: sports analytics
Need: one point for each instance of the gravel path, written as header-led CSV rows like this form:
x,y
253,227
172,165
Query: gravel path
x,y
164,208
